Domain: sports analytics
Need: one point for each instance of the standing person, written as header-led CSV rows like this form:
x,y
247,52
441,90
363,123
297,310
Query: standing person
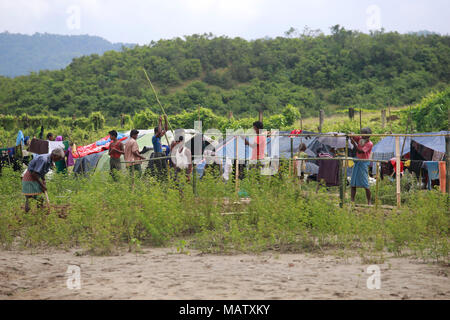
x,y
259,144
50,137
61,166
160,164
116,149
33,182
360,174
131,154
300,165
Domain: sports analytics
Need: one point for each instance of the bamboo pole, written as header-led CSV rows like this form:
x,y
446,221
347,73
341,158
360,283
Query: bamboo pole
x,y
447,165
194,180
360,120
341,185
346,165
377,186
237,164
397,164
164,112
292,157
321,116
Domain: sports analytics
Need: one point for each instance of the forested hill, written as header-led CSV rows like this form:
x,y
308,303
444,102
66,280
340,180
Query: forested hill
x,y
310,71
21,54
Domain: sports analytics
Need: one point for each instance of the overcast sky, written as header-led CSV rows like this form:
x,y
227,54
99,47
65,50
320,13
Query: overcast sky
x,y
140,21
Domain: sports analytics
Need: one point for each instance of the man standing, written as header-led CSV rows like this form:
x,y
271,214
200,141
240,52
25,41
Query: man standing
x,y
132,153
259,146
360,174
116,149
160,164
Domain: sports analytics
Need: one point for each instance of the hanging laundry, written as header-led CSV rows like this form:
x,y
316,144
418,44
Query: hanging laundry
x,y
438,156
38,146
329,171
70,161
394,164
20,138
52,145
433,171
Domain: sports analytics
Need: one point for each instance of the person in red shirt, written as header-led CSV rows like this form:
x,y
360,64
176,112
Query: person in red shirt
x,y
259,144
360,174
115,151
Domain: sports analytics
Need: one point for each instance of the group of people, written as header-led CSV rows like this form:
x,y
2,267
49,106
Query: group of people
x,y
33,181
133,158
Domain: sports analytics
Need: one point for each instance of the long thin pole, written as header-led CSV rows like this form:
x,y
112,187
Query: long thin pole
x,y
237,164
377,186
341,185
346,165
164,112
360,120
292,157
397,164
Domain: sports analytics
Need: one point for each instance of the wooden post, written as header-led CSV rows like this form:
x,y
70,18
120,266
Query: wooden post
x,y
389,120
341,185
291,164
447,165
237,163
260,115
345,165
447,151
360,122
383,118
377,186
301,124
351,113
397,165
321,116
194,180
230,115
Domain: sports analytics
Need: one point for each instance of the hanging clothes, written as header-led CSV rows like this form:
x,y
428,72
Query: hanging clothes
x,y
38,146
20,138
329,171
52,145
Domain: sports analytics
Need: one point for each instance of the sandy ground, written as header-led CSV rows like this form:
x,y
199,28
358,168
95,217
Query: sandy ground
x,y
162,273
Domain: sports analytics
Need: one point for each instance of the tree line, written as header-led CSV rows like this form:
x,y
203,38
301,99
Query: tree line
x,y
310,71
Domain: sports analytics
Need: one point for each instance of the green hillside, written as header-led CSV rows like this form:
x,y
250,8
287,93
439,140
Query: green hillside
x,y
311,71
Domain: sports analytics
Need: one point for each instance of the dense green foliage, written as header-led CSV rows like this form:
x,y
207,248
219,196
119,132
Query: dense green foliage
x,y
432,113
21,54
310,72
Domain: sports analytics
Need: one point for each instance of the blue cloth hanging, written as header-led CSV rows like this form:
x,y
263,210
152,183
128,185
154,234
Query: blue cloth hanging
x,y
433,171
20,137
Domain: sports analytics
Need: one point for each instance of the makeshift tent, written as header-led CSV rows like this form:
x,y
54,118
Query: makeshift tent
x,y
98,146
385,148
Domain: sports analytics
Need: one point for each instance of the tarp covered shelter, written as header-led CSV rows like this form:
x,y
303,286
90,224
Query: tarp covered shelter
x,y
100,161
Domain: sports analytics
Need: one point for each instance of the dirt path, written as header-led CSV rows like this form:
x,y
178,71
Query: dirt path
x,y
161,273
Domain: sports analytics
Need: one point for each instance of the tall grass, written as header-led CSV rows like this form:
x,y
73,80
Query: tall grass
x,y
282,215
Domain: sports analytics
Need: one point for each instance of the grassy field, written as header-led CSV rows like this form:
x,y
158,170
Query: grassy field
x,y
102,216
